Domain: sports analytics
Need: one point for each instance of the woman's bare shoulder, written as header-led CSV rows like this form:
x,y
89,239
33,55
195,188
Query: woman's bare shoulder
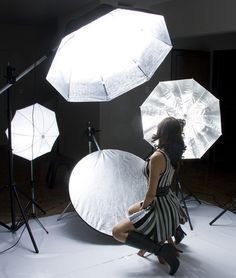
x,y
157,156
157,161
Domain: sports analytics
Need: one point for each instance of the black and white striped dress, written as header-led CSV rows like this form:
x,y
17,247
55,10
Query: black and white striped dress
x,y
160,219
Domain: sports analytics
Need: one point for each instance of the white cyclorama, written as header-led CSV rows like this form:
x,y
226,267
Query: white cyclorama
x,y
109,56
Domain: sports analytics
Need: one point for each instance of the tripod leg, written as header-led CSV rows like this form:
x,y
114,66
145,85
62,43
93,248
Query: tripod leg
x,y
31,201
37,205
26,221
184,204
229,205
218,216
39,222
5,225
1,223
192,195
66,208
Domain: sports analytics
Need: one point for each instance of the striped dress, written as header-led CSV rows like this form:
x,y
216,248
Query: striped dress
x,y
161,218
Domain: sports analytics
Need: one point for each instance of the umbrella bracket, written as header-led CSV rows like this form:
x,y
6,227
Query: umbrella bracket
x,y
90,132
10,77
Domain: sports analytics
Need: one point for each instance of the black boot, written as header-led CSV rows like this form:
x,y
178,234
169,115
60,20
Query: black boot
x,y
179,235
167,250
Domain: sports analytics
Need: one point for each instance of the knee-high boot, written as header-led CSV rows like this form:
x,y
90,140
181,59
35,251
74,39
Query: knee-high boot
x,y
179,235
167,250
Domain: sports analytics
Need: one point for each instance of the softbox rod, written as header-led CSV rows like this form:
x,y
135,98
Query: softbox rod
x,y
27,70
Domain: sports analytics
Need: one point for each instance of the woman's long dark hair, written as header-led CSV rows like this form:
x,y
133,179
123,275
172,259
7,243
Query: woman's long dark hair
x,y
170,139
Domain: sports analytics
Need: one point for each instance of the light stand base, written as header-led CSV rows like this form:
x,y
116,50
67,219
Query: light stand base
x,y
15,225
5,225
33,204
64,211
189,195
179,190
231,203
34,217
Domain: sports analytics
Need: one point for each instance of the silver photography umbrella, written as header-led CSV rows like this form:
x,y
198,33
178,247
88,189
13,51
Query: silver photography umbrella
x,y
104,184
184,99
109,56
34,131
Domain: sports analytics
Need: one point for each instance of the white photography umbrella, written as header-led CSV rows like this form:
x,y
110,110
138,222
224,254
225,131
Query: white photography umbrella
x,y
34,131
109,56
184,99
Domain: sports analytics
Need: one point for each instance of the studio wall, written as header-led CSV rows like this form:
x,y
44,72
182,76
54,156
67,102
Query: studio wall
x,y
198,25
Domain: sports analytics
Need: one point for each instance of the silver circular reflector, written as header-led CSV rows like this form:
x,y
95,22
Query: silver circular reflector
x,y
104,184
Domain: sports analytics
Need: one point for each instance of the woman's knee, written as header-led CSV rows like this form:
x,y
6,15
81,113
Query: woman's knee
x,y
120,234
116,232
134,208
121,229
130,210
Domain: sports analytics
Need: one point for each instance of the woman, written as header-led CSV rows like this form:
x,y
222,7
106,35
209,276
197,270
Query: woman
x,y
157,218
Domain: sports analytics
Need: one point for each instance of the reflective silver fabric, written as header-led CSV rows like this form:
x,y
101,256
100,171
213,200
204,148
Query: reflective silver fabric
x,y
104,184
185,99
109,56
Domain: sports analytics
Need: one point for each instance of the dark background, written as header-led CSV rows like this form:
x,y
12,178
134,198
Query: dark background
x,y
203,35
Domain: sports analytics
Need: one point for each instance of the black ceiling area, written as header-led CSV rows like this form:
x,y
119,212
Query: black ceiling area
x,y
39,12
33,12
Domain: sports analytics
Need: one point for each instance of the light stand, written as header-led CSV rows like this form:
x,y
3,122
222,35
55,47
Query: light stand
x,y
14,197
91,138
12,187
189,193
179,190
90,132
183,199
32,203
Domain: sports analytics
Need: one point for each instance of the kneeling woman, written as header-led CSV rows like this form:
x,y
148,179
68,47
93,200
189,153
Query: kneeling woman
x,y
158,217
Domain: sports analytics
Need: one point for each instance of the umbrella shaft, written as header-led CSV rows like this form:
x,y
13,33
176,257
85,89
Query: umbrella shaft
x,y
32,186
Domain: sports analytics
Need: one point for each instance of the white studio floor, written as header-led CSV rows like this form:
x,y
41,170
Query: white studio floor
x,y
72,249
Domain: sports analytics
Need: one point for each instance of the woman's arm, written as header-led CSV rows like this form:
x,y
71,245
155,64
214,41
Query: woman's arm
x,y
156,167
